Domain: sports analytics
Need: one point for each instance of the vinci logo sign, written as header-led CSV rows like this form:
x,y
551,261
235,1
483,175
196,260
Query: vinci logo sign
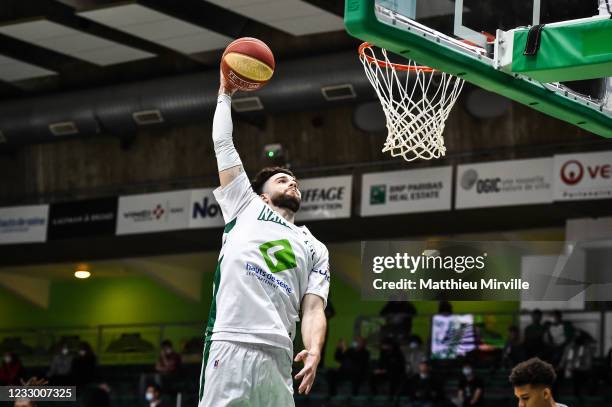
x,y
205,210
583,176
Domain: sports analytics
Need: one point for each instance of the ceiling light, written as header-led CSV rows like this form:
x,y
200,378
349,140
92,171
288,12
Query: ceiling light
x,y
82,274
247,104
146,117
82,271
63,128
339,92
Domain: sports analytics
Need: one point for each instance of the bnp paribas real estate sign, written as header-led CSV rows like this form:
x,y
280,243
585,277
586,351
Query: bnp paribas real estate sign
x,y
410,191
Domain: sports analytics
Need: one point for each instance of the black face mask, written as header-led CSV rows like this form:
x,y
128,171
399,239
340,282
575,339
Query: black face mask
x,y
287,201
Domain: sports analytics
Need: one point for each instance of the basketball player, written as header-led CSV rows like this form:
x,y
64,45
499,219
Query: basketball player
x,y
269,270
532,381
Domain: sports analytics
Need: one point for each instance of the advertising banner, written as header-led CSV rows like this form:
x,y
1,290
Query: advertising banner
x,y
423,190
583,176
325,198
504,183
205,212
153,212
82,218
23,224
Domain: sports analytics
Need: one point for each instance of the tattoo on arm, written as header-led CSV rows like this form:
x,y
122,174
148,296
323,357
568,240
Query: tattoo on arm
x,y
228,175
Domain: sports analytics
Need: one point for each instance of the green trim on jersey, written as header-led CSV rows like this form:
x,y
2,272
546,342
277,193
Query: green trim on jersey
x,y
228,228
212,316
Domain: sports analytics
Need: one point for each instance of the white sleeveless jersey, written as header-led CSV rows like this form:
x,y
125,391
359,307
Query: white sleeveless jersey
x,y
265,268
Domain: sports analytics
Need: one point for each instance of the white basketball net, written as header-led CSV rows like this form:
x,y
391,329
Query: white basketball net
x,y
416,106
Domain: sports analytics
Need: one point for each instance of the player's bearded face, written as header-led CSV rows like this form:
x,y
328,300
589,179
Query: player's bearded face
x,y
284,193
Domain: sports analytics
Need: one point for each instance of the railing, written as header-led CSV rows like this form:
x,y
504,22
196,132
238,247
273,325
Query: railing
x,y
139,343
113,344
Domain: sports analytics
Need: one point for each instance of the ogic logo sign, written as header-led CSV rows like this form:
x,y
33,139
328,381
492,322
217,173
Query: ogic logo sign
x,y
278,255
483,186
468,179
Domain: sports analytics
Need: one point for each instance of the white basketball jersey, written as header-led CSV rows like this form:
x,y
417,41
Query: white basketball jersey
x,y
265,268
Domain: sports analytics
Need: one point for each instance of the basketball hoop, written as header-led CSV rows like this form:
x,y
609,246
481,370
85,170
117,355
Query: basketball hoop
x,y
415,121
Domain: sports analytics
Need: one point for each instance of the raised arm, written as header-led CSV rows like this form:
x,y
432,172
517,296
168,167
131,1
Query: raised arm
x,y
313,336
228,160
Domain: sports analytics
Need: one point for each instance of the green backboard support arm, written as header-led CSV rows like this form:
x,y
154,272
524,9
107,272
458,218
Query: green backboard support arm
x,y
360,21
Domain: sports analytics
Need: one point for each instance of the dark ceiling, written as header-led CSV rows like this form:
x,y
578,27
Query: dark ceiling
x,y
74,73
78,74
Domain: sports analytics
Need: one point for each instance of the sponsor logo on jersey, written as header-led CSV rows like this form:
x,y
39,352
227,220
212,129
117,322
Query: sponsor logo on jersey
x,y
268,215
267,278
279,255
322,272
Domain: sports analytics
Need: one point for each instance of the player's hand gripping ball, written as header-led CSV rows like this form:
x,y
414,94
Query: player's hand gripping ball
x,y
247,64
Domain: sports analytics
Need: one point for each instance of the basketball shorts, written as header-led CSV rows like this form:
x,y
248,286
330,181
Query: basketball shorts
x,y
240,374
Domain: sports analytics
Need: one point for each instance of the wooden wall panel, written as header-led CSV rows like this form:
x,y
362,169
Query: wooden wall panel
x,y
183,157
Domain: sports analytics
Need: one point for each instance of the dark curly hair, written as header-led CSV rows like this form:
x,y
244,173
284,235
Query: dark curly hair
x,y
265,174
533,371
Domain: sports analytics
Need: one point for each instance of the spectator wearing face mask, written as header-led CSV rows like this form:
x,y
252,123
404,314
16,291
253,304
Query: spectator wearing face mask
x,y
577,362
558,335
398,314
471,388
60,372
425,389
167,366
534,336
169,361
153,396
98,396
513,352
11,370
354,365
414,355
84,365
390,368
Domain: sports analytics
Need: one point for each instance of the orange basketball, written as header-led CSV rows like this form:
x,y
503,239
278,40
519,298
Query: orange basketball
x,y
247,63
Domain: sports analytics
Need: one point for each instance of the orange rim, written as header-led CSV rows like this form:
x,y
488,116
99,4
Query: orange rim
x,y
384,64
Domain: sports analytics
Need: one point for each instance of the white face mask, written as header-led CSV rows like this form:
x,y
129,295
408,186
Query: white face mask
x,y
82,352
149,396
354,344
7,359
423,375
65,351
414,345
467,371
